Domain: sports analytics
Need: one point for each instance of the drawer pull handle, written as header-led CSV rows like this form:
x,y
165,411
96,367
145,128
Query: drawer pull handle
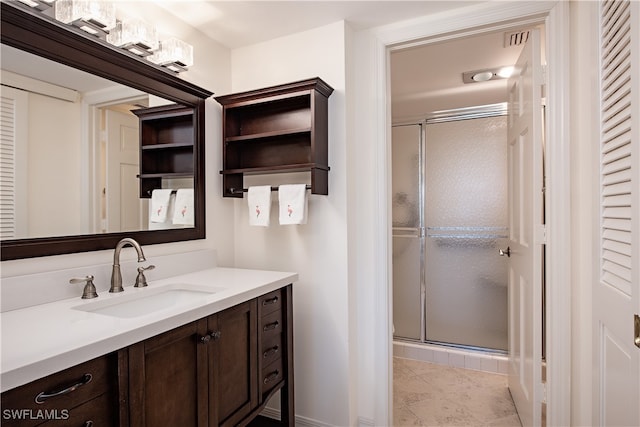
x,y
272,376
88,423
42,396
270,326
273,350
270,301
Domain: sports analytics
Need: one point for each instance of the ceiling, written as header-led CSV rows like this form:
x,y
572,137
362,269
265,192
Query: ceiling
x,y
424,78
428,78
235,23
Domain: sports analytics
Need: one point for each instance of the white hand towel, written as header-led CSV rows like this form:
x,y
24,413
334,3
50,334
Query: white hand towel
x,y
293,204
183,212
259,199
160,204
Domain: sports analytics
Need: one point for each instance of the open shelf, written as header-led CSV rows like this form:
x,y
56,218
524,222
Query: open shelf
x,y
271,134
166,145
277,129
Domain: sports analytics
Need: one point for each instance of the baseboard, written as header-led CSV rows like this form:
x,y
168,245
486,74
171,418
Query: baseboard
x,y
300,421
366,422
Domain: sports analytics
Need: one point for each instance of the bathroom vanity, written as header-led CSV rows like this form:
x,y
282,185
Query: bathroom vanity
x,y
210,360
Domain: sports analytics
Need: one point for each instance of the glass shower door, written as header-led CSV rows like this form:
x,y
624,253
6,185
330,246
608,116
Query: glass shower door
x,y
408,254
466,217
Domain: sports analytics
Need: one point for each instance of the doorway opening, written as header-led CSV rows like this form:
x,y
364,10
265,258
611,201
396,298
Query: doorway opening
x,y
121,208
449,284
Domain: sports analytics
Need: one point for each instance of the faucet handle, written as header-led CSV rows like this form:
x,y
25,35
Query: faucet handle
x,y
141,281
89,290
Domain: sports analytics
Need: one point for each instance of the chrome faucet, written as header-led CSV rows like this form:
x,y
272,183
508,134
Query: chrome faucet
x,y
116,275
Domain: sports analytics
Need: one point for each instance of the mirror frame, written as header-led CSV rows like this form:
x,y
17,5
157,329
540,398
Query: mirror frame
x,y
33,32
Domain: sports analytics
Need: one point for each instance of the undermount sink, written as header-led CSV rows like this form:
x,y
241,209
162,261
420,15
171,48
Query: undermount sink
x,y
148,300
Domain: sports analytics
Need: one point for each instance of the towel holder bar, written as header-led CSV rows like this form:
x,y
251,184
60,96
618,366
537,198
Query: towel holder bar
x,y
245,190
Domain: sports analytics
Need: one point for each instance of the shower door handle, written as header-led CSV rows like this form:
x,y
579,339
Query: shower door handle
x,y
505,252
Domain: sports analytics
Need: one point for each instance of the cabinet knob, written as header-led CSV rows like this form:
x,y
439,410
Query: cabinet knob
x,y
215,335
205,339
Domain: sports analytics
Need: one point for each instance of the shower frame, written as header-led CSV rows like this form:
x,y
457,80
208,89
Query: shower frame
x,y
441,116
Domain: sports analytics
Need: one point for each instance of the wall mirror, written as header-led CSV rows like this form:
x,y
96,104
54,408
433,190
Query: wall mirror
x,y
68,200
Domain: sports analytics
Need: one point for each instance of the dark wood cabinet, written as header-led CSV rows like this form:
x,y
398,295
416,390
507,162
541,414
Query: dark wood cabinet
x,y
220,370
166,145
81,395
166,381
233,364
217,371
277,129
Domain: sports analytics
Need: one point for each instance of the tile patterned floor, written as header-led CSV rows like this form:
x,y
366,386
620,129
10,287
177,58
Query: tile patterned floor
x,y
426,394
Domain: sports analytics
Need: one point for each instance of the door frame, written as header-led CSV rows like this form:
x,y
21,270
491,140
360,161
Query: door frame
x,y
373,55
90,169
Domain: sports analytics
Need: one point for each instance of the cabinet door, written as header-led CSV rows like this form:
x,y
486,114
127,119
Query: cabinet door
x,y
233,364
168,378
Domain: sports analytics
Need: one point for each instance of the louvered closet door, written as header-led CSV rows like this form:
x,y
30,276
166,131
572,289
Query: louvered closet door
x,y
13,152
616,295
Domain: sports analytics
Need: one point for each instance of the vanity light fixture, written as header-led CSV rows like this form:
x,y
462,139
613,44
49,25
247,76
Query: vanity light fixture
x,y
173,54
135,35
96,17
38,4
486,75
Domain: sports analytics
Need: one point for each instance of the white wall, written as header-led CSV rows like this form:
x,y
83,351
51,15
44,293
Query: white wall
x,y
212,71
317,250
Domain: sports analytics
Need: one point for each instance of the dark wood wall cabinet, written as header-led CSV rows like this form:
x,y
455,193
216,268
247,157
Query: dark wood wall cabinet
x,y
167,142
277,129
220,370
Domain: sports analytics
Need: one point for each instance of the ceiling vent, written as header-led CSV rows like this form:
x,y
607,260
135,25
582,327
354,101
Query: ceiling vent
x,y
516,38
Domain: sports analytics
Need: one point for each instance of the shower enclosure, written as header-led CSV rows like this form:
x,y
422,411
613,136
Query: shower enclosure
x,y
449,222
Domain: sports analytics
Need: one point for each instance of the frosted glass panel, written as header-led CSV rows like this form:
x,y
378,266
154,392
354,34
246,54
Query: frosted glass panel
x,y
466,183
466,291
407,243
466,218
405,163
406,287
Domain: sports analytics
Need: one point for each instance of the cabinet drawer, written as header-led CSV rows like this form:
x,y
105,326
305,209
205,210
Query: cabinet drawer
x,y
270,302
272,375
61,391
270,324
100,411
270,349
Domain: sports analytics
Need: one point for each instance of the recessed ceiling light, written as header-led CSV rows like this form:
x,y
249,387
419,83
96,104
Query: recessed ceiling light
x,y
478,76
482,76
505,72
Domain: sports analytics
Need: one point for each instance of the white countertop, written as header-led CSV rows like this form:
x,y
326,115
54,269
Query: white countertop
x,y
47,338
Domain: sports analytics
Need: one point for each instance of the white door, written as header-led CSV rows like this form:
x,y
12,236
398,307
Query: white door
x,y
616,291
525,222
122,193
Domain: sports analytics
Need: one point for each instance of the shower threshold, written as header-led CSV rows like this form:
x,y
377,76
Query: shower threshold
x,y
466,357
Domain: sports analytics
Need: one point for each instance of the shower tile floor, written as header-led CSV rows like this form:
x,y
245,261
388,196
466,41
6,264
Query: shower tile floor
x,y
427,394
